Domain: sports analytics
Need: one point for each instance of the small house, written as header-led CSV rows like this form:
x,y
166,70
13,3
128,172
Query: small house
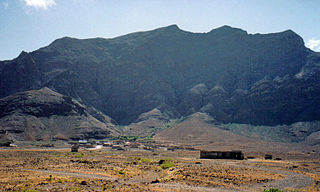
x,y
75,148
221,155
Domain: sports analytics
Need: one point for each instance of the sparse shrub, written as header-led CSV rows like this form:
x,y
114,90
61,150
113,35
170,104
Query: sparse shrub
x,y
50,178
272,190
121,172
166,164
145,160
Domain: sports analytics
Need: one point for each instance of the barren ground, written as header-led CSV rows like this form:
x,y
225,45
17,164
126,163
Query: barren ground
x,y
104,170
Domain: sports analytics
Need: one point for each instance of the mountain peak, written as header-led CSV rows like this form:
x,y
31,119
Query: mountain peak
x,y
23,54
173,26
63,41
24,57
226,29
170,28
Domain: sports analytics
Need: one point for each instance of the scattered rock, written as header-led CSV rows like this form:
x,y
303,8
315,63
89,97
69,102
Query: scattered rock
x,y
161,161
267,156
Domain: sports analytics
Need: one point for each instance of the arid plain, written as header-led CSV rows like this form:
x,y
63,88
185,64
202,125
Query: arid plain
x,y
142,170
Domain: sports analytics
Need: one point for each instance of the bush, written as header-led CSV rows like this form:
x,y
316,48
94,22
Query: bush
x,y
122,172
166,164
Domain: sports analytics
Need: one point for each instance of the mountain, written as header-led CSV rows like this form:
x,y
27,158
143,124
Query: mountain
x,y
45,115
235,77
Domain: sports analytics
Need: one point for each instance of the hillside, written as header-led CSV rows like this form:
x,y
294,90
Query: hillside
x,y
197,129
202,132
44,115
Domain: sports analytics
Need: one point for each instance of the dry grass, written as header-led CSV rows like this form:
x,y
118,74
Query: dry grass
x,y
222,176
132,171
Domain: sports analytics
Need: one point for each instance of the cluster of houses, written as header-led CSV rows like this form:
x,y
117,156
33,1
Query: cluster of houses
x,y
123,145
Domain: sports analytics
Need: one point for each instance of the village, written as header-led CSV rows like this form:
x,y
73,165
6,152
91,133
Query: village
x,y
125,145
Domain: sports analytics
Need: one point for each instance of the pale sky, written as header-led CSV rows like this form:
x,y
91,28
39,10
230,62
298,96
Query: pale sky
x,y
31,24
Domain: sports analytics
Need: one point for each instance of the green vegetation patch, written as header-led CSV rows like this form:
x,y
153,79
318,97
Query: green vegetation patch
x,y
145,160
75,154
166,164
132,137
121,172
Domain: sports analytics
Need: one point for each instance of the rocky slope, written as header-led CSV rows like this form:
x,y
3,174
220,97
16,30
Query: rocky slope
x,y
260,79
46,115
197,129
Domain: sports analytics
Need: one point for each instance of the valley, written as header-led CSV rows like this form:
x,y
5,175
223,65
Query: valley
x,y
141,107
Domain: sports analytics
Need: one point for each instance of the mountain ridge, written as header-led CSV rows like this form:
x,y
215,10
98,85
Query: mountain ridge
x,y
132,74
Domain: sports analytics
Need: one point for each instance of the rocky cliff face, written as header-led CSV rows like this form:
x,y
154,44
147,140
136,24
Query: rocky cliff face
x,y
263,79
46,115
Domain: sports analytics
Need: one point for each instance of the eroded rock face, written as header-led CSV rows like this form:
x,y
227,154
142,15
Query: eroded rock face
x,y
193,99
20,74
263,79
47,115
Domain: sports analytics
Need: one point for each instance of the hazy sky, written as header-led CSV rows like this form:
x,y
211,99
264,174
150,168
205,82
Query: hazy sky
x,y
31,24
